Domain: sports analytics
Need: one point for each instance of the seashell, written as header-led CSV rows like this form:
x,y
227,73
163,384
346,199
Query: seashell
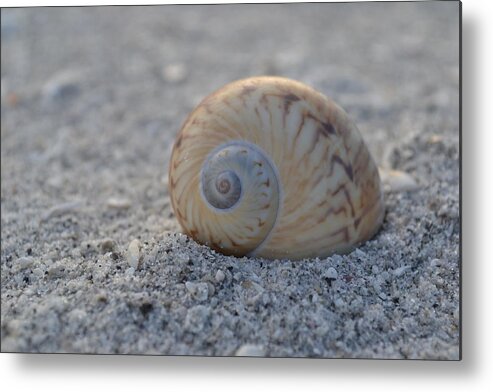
x,y
269,167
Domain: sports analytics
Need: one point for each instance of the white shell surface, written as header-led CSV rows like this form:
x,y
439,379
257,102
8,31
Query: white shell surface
x,y
324,192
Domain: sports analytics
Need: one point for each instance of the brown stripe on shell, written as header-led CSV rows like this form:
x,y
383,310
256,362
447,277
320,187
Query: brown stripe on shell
x,y
178,140
339,188
247,90
292,97
348,199
348,169
287,98
365,211
326,128
312,146
360,161
341,230
332,211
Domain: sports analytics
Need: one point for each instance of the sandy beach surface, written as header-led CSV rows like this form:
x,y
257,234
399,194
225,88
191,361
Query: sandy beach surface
x,y
91,100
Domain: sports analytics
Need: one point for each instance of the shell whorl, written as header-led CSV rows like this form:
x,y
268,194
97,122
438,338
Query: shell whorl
x,y
318,190
238,179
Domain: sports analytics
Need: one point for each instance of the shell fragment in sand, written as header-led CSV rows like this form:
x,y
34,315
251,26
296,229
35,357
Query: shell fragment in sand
x,y
397,181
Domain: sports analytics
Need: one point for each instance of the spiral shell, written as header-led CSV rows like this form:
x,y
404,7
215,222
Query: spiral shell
x,y
269,167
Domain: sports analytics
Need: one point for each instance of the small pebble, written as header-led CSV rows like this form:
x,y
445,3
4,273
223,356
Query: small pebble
x,y
436,263
211,288
376,285
130,271
24,262
38,272
338,302
397,181
60,209
219,276
57,271
359,253
447,211
182,259
175,73
118,203
13,328
336,259
182,239
331,273
107,245
250,350
434,139
133,254
88,247
61,86
401,270
199,291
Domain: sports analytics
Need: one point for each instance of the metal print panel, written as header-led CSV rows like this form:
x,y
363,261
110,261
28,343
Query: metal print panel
x,y
273,180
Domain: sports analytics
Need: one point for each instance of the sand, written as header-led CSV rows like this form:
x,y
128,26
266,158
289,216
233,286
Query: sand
x,y
92,99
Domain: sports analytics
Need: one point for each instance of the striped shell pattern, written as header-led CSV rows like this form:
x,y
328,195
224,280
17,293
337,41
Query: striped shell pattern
x,y
270,167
